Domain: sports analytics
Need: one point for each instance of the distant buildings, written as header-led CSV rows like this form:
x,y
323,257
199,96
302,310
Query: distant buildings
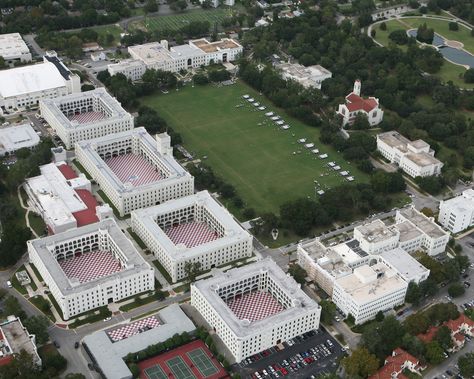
x,y
24,87
14,338
160,56
15,137
108,348
413,157
254,307
369,290
13,49
86,115
311,76
355,104
134,170
457,214
64,199
91,266
216,3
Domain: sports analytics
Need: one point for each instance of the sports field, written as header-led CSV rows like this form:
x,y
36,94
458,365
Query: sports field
x,y
177,21
265,164
191,361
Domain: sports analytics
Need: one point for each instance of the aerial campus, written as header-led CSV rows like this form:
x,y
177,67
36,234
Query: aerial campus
x,y
237,189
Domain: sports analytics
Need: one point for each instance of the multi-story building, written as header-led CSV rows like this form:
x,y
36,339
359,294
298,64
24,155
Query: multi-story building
x,y
24,87
413,157
369,290
84,116
194,228
134,170
407,267
216,3
355,104
310,76
160,56
89,267
63,198
376,237
419,232
254,307
457,214
13,49
13,138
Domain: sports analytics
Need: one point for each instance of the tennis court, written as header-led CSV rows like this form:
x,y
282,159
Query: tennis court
x,y
191,361
155,372
202,362
179,368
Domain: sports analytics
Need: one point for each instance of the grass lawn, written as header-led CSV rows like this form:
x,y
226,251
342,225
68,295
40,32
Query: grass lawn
x,y
103,30
177,21
37,223
448,71
265,164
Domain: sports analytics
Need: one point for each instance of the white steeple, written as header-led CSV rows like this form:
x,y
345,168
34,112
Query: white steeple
x,y
357,85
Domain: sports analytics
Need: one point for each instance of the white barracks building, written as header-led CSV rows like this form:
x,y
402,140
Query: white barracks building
x,y
135,170
254,307
194,228
413,157
85,116
160,56
457,214
89,267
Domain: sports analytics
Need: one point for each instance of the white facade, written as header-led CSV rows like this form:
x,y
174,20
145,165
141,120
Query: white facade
x,y
216,3
419,232
376,237
85,116
413,157
24,87
13,49
159,56
311,76
74,297
369,290
355,104
232,242
125,196
13,138
457,214
244,338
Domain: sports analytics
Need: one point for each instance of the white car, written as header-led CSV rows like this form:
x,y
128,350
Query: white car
x,y
9,284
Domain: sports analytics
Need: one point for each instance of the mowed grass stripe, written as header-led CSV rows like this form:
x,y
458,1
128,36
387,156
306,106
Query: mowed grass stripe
x,y
257,160
175,22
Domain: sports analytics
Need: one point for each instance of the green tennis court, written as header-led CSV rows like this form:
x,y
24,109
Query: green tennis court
x,y
203,363
155,372
179,368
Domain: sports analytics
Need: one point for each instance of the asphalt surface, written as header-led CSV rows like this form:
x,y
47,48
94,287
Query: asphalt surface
x,y
322,365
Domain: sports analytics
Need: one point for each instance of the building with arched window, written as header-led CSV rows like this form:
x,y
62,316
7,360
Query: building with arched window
x,y
254,307
84,116
191,229
89,267
134,170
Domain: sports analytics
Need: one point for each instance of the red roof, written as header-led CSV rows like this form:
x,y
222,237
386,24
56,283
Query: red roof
x,y
6,360
67,171
87,216
429,335
459,337
454,325
356,103
393,364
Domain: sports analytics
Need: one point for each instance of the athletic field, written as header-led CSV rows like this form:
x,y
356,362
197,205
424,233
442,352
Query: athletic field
x,y
191,361
177,21
265,163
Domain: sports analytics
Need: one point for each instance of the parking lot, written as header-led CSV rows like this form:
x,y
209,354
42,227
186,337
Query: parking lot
x,y
311,354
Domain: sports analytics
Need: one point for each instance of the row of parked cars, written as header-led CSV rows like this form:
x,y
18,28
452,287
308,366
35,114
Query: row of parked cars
x,y
296,362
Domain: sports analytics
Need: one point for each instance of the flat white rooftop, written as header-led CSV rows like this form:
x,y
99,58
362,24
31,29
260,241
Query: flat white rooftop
x,y
376,231
301,303
461,203
12,46
17,137
407,266
29,79
422,222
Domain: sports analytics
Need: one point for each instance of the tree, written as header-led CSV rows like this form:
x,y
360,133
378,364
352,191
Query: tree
x,y
298,273
12,306
417,323
150,6
399,36
466,365
360,364
75,376
425,34
383,26
443,337
453,26
328,311
413,295
38,325
179,5
469,76
456,290
192,270
379,316
428,212
434,353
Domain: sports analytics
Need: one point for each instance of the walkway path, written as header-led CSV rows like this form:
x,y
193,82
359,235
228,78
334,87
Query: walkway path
x,y
27,209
